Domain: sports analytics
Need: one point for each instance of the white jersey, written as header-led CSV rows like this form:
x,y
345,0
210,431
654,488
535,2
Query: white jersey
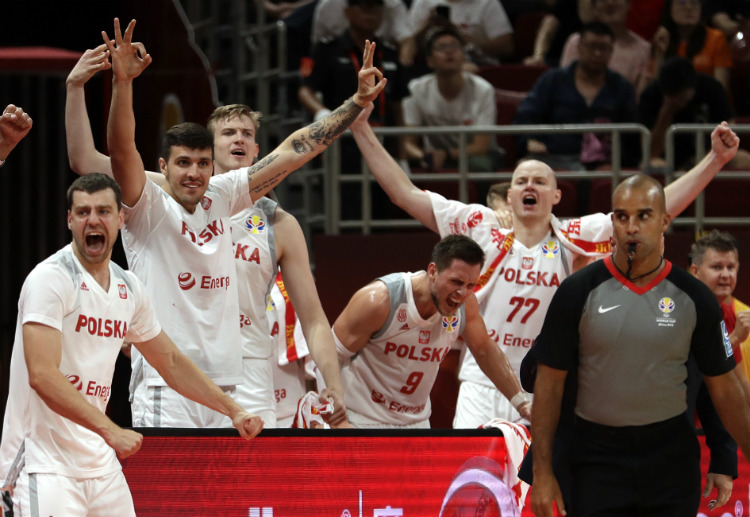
x,y
93,324
426,106
480,19
329,21
389,380
255,260
186,262
517,283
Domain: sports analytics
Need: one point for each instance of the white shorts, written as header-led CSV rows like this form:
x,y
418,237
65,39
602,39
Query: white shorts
x,y
161,406
288,388
255,394
361,421
478,404
41,495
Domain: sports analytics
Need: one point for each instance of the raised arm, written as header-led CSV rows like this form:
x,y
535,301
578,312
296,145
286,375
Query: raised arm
x,y
43,351
82,153
15,124
295,268
128,61
680,193
391,177
364,315
493,362
305,144
182,375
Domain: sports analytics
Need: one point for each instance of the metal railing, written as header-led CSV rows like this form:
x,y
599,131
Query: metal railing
x,y
332,177
700,130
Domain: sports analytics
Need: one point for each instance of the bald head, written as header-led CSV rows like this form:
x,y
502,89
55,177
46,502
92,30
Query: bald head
x,y
644,185
536,167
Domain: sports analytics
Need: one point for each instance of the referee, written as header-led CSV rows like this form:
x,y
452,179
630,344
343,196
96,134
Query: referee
x,y
627,324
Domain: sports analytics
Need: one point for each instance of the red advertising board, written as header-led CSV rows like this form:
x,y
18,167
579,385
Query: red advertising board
x,y
286,473
379,474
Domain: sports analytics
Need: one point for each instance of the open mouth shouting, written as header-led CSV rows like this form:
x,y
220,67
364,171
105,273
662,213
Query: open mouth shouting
x,y
95,242
529,200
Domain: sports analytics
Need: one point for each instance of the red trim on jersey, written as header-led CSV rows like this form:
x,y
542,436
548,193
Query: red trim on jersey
x,y
290,318
504,248
630,285
588,246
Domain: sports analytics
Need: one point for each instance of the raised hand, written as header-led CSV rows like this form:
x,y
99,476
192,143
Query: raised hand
x,y
14,126
92,61
128,59
724,142
371,80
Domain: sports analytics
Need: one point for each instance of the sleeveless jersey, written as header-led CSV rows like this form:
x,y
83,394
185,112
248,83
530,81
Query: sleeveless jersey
x,y
517,283
390,378
255,260
93,323
186,262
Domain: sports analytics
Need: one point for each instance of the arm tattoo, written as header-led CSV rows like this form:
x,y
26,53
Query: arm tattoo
x,y
329,128
301,145
262,186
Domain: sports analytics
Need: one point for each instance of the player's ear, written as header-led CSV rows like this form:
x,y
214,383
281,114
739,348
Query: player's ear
x,y
432,271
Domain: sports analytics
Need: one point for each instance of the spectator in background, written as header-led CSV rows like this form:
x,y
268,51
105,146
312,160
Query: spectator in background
x,y
715,261
683,33
584,92
682,96
566,17
331,61
329,21
483,24
449,96
631,57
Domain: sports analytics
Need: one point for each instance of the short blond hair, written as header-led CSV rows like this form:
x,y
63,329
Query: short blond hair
x,y
230,111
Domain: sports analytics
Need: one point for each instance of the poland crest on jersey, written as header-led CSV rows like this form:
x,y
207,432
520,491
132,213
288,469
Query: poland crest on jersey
x,y
255,224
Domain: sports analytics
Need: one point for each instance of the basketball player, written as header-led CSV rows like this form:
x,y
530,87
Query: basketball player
x,y
525,264
205,291
396,331
75,310
234,128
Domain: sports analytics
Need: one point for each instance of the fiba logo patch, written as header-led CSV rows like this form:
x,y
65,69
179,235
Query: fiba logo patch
x,y
186,281
666,305
550,249
450,323
255,224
